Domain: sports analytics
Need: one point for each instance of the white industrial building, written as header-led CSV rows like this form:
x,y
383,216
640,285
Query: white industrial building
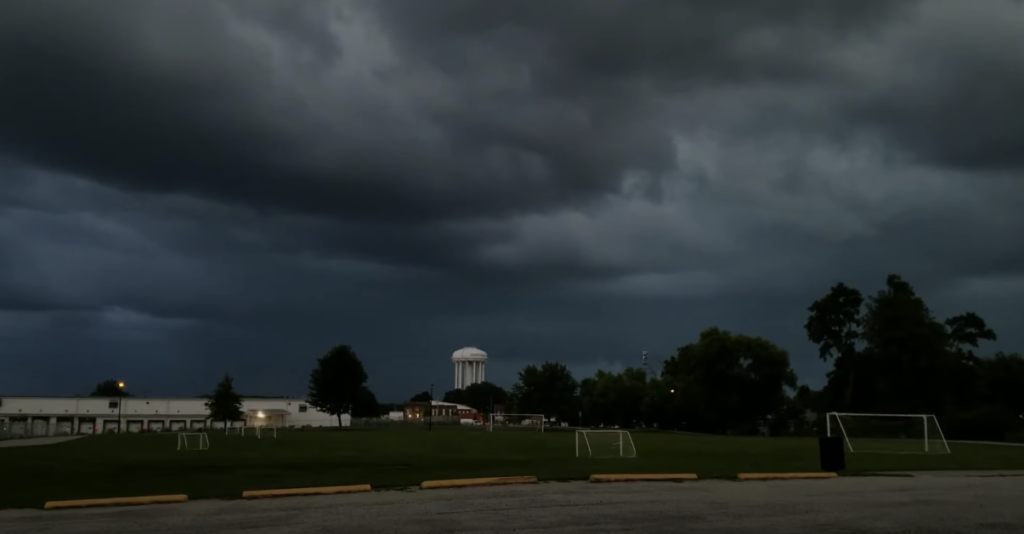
x,y
49,416
469,365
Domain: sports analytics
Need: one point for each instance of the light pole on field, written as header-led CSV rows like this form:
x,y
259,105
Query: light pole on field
x,y
430,422
120,399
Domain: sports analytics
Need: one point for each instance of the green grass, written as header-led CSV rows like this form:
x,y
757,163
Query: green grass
x,y
146,464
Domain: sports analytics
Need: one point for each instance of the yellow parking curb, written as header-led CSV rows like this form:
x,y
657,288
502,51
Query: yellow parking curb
x,y
468,482
660,477
116,501
784,476
296,492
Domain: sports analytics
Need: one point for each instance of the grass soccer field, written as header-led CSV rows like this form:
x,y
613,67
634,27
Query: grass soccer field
x,y
146,464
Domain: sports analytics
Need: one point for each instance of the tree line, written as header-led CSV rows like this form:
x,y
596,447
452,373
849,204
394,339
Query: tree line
x,y
889,354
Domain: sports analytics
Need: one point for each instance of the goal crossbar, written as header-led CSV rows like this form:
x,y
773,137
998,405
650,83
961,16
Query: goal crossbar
x,y
925,418
503,417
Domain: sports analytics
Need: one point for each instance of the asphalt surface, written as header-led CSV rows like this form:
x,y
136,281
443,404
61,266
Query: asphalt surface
x,y
920,505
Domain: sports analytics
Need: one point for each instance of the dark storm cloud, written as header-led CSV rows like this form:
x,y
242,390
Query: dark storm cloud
x,y
239,185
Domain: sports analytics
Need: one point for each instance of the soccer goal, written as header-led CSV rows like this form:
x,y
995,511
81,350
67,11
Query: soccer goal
x,y
604,444
233,430
266,432
888,433
251,431
193,441
516,421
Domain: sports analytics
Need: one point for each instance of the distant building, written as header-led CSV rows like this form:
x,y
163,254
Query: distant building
x,y
52,416
442,412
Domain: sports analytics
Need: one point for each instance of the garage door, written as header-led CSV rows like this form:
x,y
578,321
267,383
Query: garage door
x,y
177,425
109,426
40,427
63,428
196,425
156,426
17,428
86,426
134,426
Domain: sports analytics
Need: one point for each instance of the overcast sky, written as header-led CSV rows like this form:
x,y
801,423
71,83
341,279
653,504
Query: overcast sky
x,y
190,188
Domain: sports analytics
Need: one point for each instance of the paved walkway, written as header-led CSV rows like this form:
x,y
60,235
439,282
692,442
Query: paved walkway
x,y
853,505
29,442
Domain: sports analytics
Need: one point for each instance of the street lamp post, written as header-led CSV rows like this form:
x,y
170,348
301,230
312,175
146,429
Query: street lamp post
x,y
120,399
430,422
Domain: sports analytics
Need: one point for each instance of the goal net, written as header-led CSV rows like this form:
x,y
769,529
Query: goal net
x,y
193,441
517,421
263,432
604,444
888,433
233,430
251,431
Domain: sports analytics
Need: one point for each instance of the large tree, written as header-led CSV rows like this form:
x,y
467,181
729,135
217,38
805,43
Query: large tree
x,y
225,404
907,350
730,383
481,396
110,388
549,390
366,404
834,326
336,383
892,355
615,399
423,396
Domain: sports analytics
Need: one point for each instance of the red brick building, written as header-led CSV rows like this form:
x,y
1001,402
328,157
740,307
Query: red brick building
x,y
442,412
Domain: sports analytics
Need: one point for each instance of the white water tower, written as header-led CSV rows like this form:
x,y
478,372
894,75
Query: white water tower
x,y
469,366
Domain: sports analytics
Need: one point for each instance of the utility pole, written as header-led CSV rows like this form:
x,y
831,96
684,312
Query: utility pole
x,y
120,399
430,422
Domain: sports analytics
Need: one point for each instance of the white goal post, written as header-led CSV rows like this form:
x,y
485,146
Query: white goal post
x,y
891,433
193,441
266,432
605,444
229,430
527,421
253,430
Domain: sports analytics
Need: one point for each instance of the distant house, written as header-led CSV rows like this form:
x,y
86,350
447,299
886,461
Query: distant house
x,y
442,412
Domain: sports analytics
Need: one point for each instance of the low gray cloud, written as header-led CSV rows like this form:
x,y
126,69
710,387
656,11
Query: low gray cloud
x,y
194,187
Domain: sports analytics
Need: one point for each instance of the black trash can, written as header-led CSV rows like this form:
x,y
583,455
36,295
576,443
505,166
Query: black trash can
x,y
832,453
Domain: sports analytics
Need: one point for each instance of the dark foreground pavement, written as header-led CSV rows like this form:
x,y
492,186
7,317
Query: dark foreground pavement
x,y
925,505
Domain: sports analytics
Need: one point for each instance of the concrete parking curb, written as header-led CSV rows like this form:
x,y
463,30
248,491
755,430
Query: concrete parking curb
x,y
660,477
116,501
469,482
785,476
298,492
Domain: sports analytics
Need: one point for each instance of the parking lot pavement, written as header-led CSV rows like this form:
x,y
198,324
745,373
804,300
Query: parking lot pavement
x,y
926,505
